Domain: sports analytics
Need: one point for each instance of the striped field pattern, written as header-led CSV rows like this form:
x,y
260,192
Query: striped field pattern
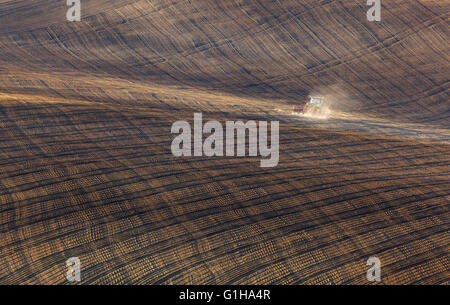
x,y
86,168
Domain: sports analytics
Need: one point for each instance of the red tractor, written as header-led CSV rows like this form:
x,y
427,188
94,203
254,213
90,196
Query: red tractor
x,y
312,106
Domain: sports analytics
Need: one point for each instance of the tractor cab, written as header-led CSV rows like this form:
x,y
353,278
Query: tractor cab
x,y
315,101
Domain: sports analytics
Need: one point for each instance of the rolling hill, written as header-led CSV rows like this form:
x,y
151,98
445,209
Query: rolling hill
x,y
86,169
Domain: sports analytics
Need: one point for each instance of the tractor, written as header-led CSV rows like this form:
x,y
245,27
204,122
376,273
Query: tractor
x,y
313,106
